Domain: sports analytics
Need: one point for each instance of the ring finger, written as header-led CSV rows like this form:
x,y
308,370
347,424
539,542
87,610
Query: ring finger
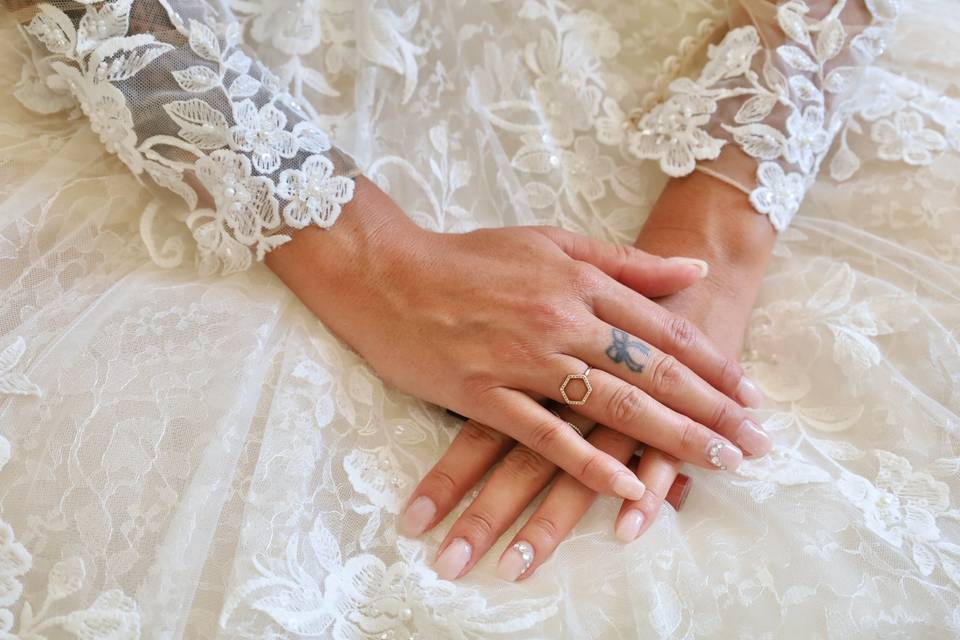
x,y
609,400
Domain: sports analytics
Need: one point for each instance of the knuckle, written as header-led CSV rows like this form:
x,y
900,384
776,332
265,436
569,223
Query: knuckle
x,y
689,435
627,404
730,374
478,524
544,437
681,332
551,314
595,465
546,529
441,483
586,278
721,415
667,374
525,464
479,385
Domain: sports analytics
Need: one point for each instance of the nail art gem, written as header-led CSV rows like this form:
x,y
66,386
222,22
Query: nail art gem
x,y
525,549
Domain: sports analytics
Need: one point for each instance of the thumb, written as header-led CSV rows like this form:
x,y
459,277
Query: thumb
x,y
645,273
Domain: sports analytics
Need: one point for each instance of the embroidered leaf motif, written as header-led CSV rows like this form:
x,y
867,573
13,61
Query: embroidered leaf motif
x,y
121,58
54,29
204,42
197,79
805,90
12,382
759,140
796,58
793,24
97,25
239,62
756,108
830,40
199,123
244,87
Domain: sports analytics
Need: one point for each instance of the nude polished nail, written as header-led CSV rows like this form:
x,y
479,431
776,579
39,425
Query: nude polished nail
x,y
417,517
748,394
752,439
454,558
626,485
701,266
629,525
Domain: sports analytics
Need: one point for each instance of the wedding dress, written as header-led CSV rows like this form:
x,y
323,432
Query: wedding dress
x,y
185,451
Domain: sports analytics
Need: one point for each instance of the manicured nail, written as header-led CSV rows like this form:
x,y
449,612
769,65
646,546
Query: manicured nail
x,y
752,439
748,394
724,455
417,517
626,485
702,266
453,559
515,561
628,527
679,491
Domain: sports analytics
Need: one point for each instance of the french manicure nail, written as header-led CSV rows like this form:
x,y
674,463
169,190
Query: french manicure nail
x,y
628,527
417,517
626,485
752,439
723,455
699,264
454,558
515,561
748,394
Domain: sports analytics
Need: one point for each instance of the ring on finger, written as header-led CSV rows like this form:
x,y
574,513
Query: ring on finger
x,y
588,389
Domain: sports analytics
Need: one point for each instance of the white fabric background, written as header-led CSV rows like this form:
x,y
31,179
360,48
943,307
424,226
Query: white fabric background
x,y
204,460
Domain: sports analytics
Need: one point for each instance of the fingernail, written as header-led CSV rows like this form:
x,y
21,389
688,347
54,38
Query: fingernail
x,y
454,558
679,491
699,264
748,394
626,485
417,517
724,455
751,438
515,561
628,527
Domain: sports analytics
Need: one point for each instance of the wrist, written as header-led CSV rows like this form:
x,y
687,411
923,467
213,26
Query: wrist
x,y
702,217
331,269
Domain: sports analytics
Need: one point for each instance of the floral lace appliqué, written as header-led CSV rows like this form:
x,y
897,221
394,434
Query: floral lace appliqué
x,y
224,120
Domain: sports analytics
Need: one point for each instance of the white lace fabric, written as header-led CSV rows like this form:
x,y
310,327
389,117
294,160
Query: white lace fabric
x,y
770,99
198,457
169,87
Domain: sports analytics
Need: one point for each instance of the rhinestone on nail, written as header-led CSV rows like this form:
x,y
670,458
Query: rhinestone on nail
x,y
714,453
525,549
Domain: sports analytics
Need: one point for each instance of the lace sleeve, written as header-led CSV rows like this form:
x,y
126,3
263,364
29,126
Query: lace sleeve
x,y
169,87
775,87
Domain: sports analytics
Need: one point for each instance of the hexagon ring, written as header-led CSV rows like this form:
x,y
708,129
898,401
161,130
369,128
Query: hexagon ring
x,y
582,377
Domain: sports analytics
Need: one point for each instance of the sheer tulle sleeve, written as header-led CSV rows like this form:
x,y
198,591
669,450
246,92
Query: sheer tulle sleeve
x,y
170,88
770,98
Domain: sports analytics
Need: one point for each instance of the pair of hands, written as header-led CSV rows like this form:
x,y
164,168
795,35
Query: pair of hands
x,y
490,322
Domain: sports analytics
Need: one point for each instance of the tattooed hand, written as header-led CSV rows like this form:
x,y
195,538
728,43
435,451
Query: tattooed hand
x,y
480,322
720,305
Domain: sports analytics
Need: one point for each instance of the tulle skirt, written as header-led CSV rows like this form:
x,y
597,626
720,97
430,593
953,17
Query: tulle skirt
x,y
199,457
